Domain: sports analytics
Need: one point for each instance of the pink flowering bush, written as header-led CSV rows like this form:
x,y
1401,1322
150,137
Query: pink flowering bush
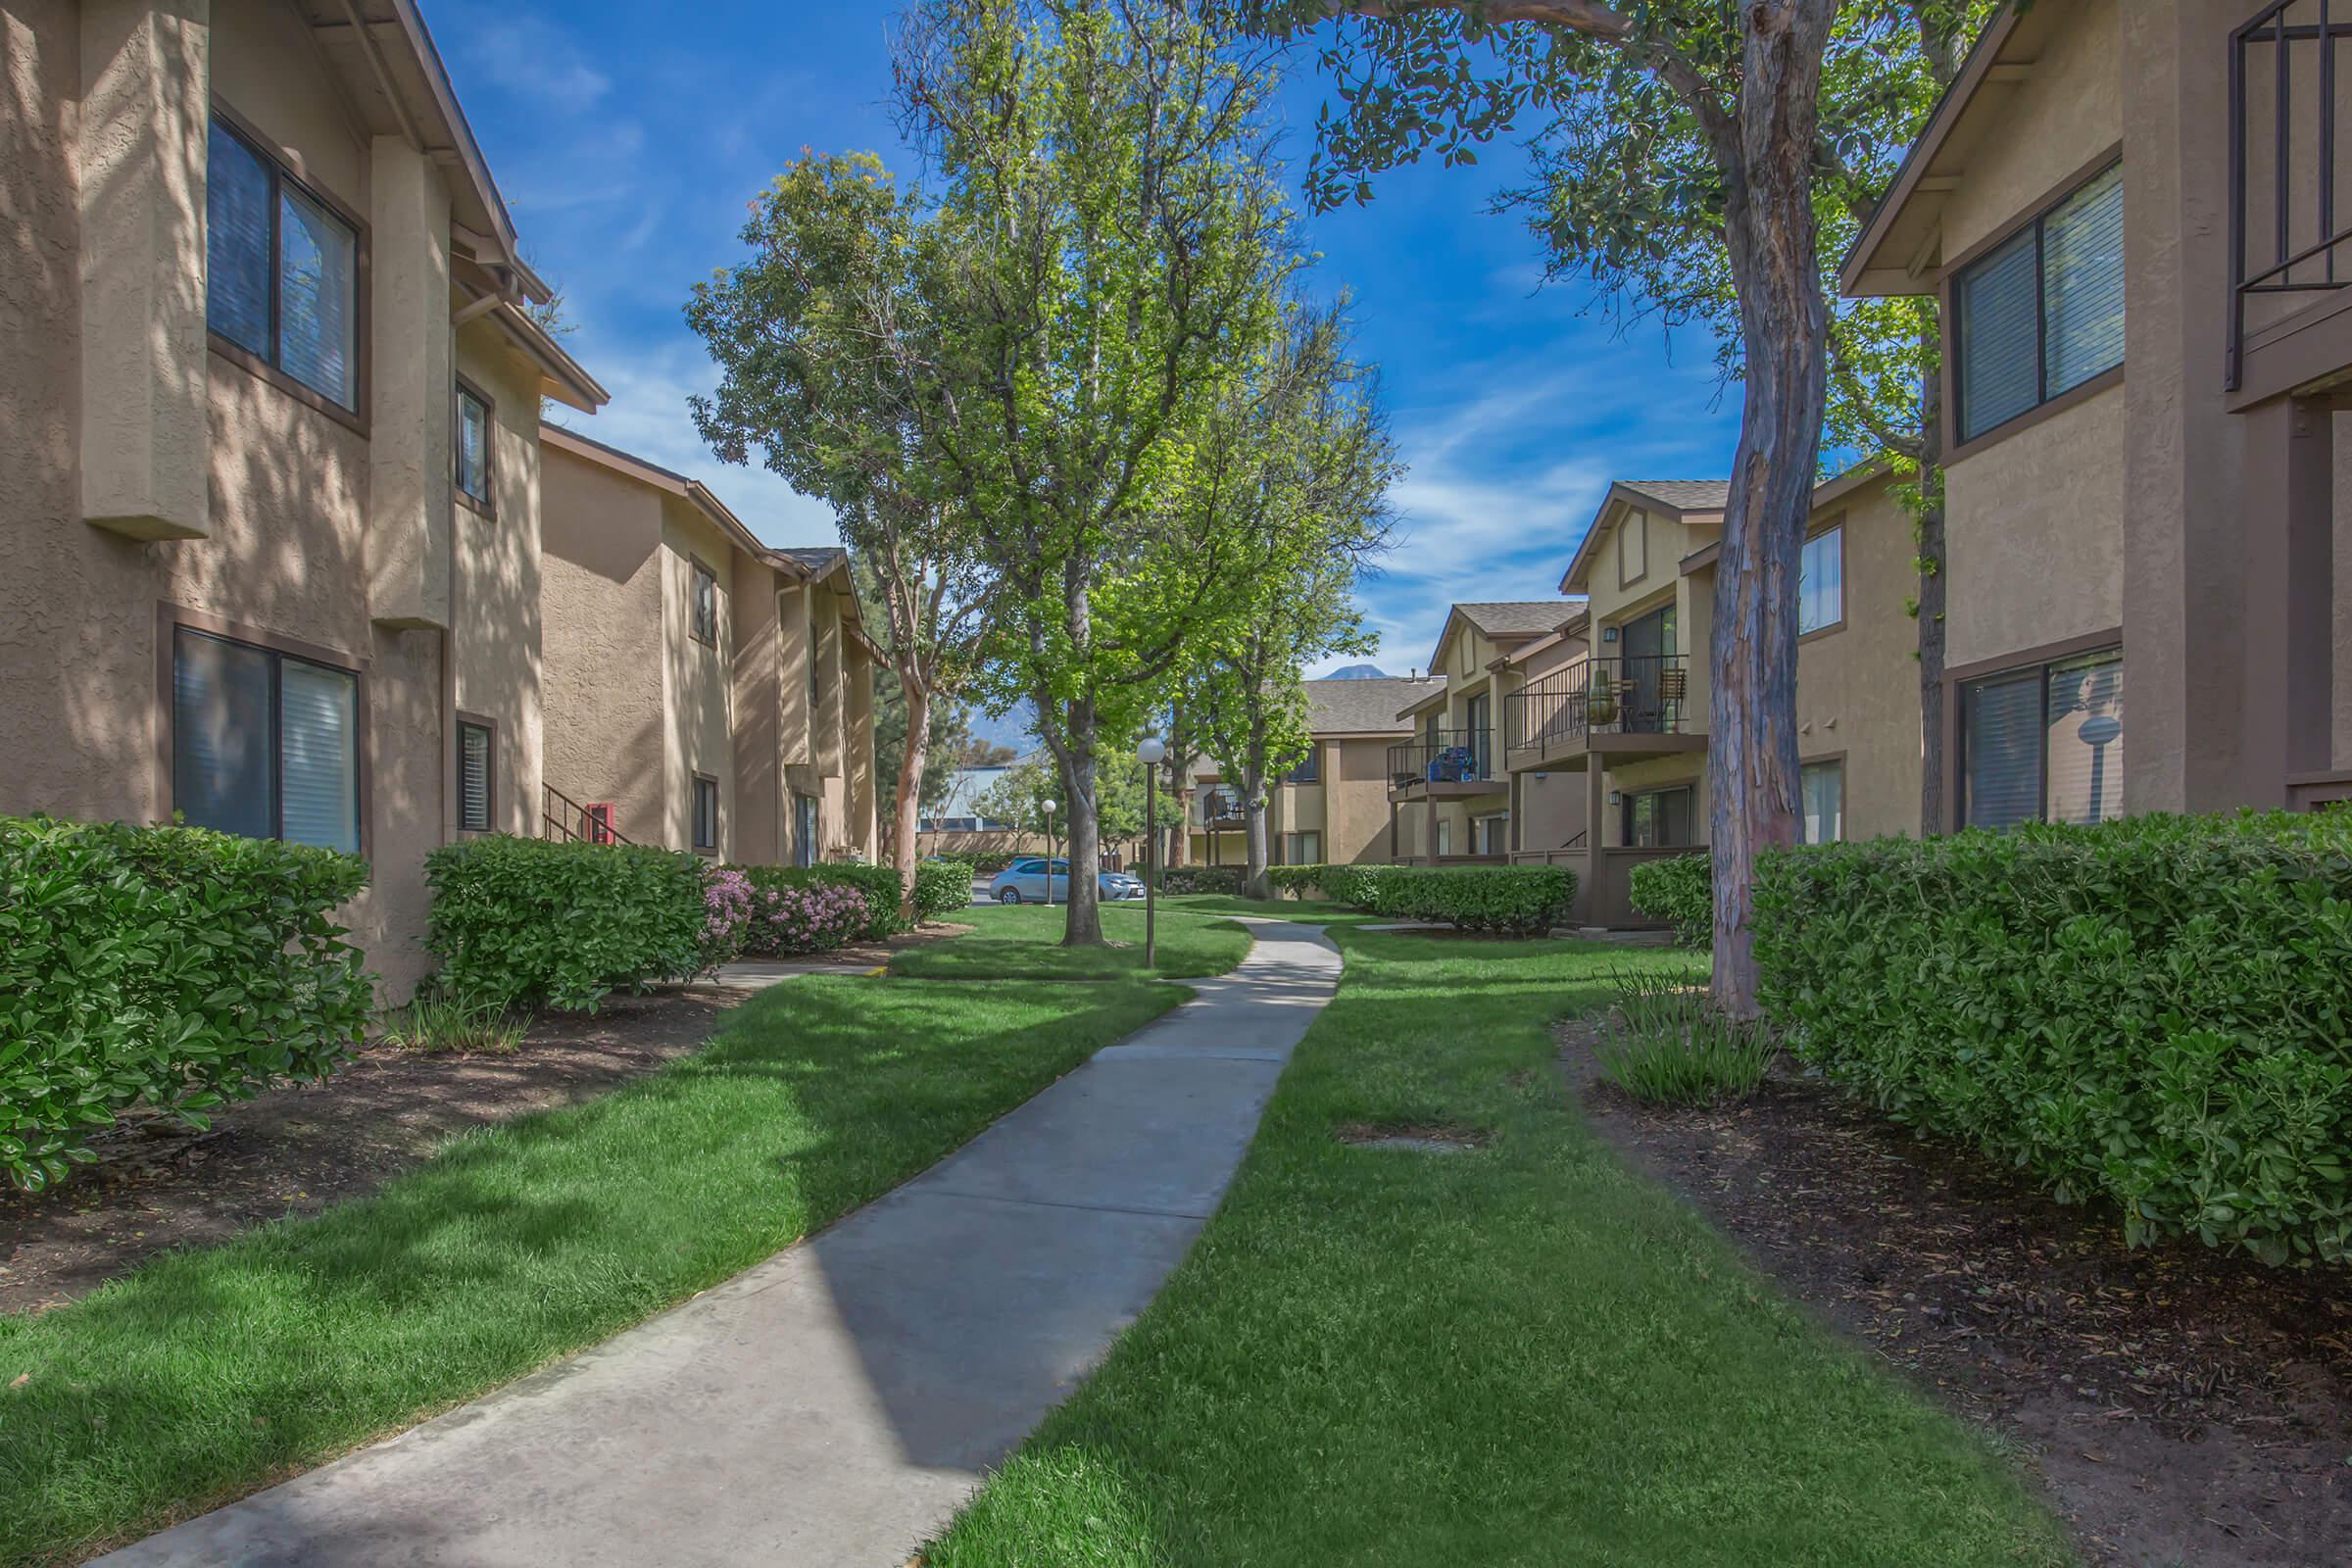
x,y
816,918
727,903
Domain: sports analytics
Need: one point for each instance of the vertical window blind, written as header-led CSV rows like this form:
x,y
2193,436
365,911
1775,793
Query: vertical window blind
x,y
2044,743
475,753
281,270
1821,581
264,744
2044,313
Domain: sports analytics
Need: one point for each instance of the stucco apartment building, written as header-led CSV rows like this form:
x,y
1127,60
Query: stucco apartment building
x,y
1623,725
704,692
1332,808
2131,216
271,477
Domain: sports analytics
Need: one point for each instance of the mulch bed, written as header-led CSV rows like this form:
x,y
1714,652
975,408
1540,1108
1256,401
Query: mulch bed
x,y
2183,1405
294,1150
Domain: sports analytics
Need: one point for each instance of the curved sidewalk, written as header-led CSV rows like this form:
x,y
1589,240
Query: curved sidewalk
x,y
835,1404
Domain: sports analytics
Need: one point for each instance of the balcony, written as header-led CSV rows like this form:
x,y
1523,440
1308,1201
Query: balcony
x,y
1446,765
1620,708
1221,807
2288,242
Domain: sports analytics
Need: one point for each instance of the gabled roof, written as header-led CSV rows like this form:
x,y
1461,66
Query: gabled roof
x,y
1681,495
1363,707
1506,622
1679,498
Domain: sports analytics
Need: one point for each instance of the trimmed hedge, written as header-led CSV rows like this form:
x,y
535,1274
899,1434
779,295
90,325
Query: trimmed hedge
x,y
1523,900
1200,879
167,967
1681,891
520,922
1297,880
941,888
2156,1011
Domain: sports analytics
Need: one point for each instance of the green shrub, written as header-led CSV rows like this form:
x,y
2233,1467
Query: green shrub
x,y
2156,1011
1200,879
519,922
878,885
1679,891
1665,1044
1523,900
165,966
1297,880
941,888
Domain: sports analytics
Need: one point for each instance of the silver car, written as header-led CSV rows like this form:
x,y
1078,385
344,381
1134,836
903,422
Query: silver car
x,y
1024,882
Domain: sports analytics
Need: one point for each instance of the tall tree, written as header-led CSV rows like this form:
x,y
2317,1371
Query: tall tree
x,y
1123,254
1666,113
1299,459
833,342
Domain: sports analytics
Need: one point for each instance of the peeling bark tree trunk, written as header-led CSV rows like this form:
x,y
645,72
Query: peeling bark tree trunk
x,y
1768,228
910,783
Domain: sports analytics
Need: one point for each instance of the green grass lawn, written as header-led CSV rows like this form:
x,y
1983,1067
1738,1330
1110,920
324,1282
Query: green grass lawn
x,y
1524,1354
1023,941
210,1372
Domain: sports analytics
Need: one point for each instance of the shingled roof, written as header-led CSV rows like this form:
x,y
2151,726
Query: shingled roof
x,y
1518,617
1684,495
1363,706
819,561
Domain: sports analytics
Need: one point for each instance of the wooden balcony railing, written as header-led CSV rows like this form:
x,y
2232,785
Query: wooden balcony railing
x,y
2285,233
1646,694
1445,756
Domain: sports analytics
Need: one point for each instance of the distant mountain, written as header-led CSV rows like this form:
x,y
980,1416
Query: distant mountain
x,y
1357,673
1016,729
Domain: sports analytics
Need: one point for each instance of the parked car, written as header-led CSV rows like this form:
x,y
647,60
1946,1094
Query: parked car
x,y
1024,882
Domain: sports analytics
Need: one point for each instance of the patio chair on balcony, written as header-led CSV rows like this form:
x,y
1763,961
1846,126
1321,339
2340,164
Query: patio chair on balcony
x,y
1452,764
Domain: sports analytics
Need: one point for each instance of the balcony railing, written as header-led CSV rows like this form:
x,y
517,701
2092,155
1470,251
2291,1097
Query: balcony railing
x,y
2285,233
1221,805
1644,694
1445,756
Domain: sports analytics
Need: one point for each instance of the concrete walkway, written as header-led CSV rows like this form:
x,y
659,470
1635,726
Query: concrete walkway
x,y
835,1404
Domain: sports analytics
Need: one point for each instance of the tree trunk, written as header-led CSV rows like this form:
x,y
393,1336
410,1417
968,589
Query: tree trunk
x,y
1084,927
1256,883
1932,808
1769,228
911,786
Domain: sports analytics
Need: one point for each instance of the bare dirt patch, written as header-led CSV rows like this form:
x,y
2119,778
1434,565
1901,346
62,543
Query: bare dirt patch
x,y
297,1150
2183,1405
1427,1138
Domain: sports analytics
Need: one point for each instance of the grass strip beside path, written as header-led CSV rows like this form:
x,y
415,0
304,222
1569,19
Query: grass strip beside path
x,y
1524,1354
211,1372
1023,942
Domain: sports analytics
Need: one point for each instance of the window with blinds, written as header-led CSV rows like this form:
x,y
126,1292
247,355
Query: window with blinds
x,y
472,445
2044,313
2044,743
1821,581
281,270
476,758
264,744
706,813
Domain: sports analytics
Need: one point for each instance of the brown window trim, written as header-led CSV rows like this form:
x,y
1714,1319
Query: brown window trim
x,y
170,618
718,828
1954,449
1959,675
1835,524
486,504
289,166
490,791
697,568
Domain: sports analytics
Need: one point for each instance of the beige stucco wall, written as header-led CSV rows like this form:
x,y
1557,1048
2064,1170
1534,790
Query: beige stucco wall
x,y
1857,688
496,655
2063,114
760,824
2034,534
288,495
602,625
696,677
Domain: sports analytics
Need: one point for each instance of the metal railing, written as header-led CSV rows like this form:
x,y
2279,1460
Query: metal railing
x,y
2283,69
562,818
1446,756
1221,805
1644,694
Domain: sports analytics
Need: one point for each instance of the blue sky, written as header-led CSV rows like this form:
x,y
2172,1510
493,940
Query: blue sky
x,y
628,139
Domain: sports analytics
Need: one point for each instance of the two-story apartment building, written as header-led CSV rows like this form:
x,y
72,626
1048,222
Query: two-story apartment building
x,y
703,690
270,483
2130,217
1450,798
1332,808
1622,723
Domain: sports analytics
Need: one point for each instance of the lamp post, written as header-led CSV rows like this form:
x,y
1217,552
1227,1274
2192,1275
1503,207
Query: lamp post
x,y
1049,855
1148,752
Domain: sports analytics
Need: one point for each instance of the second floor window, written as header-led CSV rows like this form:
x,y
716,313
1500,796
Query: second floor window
x,y
1821,581
706,604
473,445
1309,769
2044,313
281,270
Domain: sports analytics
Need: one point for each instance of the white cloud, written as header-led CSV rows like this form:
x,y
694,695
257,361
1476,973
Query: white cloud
x,y
528,55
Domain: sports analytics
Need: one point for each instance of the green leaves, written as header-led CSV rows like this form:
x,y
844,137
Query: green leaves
x,y
521,923
169,967
2157,1012
1681,890
1524,901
